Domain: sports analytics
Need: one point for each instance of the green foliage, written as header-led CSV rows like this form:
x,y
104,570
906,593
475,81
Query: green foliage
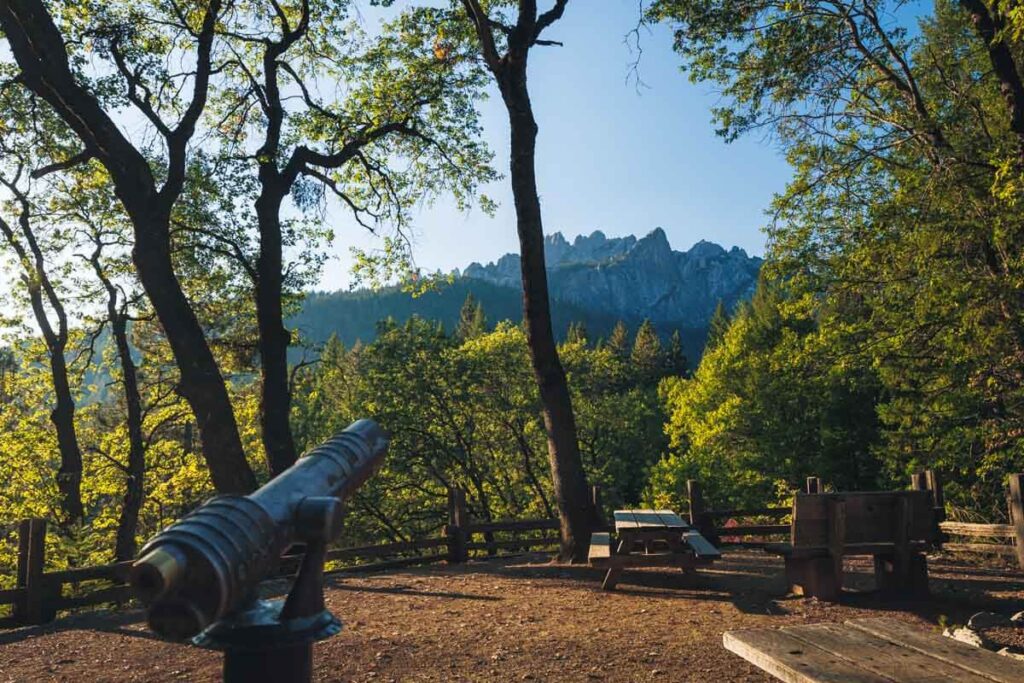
x,y
766,408
463,411
900,236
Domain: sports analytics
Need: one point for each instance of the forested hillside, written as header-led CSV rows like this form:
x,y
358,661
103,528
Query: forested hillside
x,y
354,316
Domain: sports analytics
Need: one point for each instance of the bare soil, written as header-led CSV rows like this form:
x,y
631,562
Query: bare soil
x,y
520,619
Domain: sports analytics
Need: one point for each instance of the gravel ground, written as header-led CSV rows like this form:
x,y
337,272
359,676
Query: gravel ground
x,y
520,619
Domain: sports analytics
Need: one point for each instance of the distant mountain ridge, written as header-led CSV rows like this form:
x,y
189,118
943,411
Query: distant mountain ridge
x,y
634,279
594,279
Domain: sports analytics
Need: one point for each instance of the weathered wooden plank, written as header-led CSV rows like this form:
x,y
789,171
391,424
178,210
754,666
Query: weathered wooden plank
x,y
112,572
671,520
385,548
701,546
112,594
11,595
750,512
984,530
971,659
871,517
624,519
881,655
514,543
517,525
997,548
753,530
600,545
792,660
388,564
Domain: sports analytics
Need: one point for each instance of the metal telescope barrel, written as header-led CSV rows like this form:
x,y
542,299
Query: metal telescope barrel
x,y
208,564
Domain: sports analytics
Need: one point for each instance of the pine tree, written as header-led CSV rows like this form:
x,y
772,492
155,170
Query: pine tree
x,y
472,320
717,327
577,333
675,358
618,343
647,358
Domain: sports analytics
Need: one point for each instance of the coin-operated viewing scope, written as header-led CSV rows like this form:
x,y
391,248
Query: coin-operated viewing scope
x,y
200,576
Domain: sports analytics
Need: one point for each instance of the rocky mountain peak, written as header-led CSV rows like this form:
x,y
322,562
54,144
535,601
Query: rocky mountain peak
x,y
636,278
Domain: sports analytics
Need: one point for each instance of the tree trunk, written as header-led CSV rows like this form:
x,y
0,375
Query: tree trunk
x,y
69,475
201,383
567,476
131,503
275,396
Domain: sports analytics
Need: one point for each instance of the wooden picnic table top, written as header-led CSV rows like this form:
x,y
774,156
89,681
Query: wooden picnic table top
x,y
628,520
874,650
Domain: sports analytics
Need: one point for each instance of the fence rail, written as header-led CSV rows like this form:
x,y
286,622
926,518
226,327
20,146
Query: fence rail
x,y
39,594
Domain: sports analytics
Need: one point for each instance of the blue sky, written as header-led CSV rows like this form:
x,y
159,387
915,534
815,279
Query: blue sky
x,y
608,157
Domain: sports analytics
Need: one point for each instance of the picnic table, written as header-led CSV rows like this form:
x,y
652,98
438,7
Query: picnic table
x,y
649,538
874,650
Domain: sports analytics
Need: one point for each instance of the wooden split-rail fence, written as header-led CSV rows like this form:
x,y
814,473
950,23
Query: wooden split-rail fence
x,y
40,594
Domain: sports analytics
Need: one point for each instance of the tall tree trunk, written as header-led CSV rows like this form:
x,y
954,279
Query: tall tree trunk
x,y
69,475
201,383
135,471
275,395
567,476
131,503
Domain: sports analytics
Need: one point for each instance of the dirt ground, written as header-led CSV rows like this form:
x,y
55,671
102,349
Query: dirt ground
x,y
519,619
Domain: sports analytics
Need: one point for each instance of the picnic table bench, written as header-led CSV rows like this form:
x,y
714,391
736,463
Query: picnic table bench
x,y
895,527
874,650
649,538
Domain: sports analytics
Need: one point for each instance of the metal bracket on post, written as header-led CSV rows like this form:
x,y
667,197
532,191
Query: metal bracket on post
x,y
272,640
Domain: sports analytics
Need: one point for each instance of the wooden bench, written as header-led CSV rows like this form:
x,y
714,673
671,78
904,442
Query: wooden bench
x,y
874,650
895,527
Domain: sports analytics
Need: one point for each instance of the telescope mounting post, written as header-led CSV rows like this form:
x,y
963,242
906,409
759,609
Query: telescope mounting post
x,y
273,640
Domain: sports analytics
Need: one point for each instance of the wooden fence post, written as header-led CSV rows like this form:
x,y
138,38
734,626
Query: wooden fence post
x,y
31,563
699,518
456,529
918,482
1017,513
813,484
934,482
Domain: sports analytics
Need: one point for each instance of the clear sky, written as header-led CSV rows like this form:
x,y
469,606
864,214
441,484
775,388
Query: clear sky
x,y
608,157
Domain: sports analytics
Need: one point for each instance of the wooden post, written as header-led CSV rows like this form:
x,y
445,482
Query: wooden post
x,y
456,529
918,482
813,484
699,518
31,562
934,482
938,505
1017,513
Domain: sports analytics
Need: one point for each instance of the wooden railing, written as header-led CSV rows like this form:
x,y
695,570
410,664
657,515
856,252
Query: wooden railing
x,y
1002,539
39,594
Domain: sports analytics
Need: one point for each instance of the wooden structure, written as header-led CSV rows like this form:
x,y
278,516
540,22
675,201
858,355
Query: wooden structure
x,y
875,650
992,538
39,594
649,538
895,527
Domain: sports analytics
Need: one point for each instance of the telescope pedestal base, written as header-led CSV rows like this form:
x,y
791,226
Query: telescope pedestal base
x,y
293,663
259,645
